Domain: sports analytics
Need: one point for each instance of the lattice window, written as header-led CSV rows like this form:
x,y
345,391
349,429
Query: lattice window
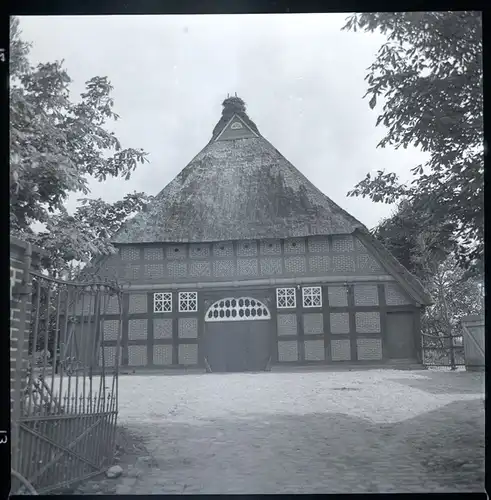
x,y
286,298
162,302
312,296
188,301
237,309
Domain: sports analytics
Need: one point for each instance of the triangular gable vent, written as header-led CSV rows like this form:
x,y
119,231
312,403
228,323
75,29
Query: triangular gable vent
x,y
236,128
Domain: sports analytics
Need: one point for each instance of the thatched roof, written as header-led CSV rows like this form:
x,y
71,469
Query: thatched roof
x,y
238,187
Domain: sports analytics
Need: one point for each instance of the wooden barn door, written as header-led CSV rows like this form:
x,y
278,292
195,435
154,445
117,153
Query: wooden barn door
x,y
400,335
237,335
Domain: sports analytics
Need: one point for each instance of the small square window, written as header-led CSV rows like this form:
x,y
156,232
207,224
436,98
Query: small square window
x,y
312,296
188,301
162,302
286,298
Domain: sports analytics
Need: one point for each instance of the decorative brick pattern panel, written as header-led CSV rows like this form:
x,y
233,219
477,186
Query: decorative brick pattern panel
x,y
199,268
314,350
138,303
137,329
318,244
162,355
295,246
313,323
188,328
153,253
137,355
177,269
295,265
341,350
270,247
342,243
360,246
320,264
287,324
338,296
199,250
223,249
394,296
246,248
367,322
111,328
154,271
130,253
287,350
368,349
247,267
224,268
188,354
343,264
132,271
366,262
109,356
271,266
366,295
162,328
113,306
176,252
339,322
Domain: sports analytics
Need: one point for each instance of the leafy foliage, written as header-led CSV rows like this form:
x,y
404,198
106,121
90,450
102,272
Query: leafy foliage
x,y
56,145
87,232
429,73
401,235
456,295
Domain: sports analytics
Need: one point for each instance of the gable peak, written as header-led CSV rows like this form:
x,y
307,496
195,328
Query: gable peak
x,y
233,106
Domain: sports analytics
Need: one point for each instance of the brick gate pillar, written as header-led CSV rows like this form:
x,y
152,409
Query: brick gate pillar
x,y
23,257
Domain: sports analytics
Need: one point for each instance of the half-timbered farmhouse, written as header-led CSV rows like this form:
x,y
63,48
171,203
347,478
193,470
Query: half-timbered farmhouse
x,y
240,262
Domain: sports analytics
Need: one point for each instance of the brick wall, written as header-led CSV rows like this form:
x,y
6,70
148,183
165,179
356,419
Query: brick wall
x,y
22,258
337,255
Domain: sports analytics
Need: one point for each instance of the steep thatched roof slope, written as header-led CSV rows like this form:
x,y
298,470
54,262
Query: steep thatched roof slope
x,y
237,188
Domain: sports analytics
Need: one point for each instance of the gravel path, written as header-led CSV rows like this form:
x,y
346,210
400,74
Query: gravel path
x,y
306,432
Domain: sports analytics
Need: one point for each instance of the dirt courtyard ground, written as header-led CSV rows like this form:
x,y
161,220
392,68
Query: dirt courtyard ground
x,y
303,432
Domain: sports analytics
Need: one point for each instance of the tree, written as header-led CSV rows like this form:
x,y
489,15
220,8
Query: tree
x,y
429,73
400,234
56,145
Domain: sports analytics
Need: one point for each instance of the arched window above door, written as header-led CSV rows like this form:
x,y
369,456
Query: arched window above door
x,y
237,309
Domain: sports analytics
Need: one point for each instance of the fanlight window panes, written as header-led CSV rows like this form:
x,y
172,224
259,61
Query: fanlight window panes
x,y
188,301
312,296
237,309
286,298
162,302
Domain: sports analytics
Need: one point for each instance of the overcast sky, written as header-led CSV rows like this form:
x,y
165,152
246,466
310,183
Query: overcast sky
x,y
301,77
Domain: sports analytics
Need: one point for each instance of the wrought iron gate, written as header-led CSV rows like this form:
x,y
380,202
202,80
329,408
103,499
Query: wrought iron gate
x,y
442,351
69,396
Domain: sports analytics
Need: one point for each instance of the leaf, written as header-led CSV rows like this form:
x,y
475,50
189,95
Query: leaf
x,y
430,79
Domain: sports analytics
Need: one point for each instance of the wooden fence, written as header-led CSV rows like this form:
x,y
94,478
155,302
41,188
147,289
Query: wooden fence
x,y
473,329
